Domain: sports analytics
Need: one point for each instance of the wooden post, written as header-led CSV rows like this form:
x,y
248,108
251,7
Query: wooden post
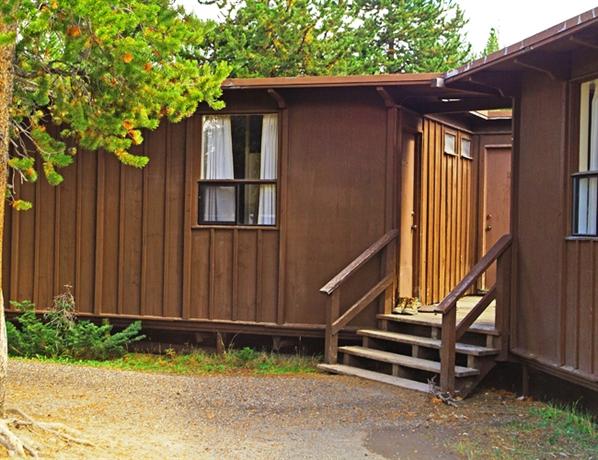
x,y
331,340
447,350
389,268
503,301
524,380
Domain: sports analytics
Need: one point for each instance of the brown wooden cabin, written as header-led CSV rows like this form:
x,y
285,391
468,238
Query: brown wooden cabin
x,y
339,196
188,244
551,313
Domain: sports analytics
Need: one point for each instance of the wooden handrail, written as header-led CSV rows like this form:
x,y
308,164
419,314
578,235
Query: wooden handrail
x,y
475,312
360,260
365,300
334,320
451,331
450,301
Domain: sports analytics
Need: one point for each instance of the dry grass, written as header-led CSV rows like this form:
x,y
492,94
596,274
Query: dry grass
x,y
245,360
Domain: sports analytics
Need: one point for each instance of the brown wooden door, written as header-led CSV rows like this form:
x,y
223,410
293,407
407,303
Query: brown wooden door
x,y
408,226
496,218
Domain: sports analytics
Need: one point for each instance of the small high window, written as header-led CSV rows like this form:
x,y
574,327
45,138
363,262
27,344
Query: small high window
x,y
585,180
450,143
466,148
239,170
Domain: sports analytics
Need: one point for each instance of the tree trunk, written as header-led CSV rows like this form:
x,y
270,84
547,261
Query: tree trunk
x,y
6,93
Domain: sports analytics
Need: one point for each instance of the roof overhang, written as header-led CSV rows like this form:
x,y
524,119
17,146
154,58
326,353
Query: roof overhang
x,y
424,92
547,51
400,79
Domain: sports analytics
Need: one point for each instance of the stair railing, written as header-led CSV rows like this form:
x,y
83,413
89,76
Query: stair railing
x,y
451,332
334,320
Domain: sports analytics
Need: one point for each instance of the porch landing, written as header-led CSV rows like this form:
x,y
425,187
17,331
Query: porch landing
x,y
485,322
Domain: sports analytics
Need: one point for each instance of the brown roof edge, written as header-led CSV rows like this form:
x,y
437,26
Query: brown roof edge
x,y
545,37
330,81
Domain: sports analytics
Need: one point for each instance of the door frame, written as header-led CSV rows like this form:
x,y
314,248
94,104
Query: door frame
x,y
481,219
415,226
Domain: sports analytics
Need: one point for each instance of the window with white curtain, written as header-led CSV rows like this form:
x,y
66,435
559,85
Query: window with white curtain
x,y
239,170
585,180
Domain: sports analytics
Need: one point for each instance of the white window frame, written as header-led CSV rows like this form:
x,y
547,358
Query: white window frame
x,y
585,179
468,156
447,147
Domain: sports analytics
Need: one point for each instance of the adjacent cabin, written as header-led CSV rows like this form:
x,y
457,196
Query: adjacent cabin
x,y
318,206
552,78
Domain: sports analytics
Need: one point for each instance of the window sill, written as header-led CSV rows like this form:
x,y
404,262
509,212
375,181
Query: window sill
x,y
233,227
467,158
581,238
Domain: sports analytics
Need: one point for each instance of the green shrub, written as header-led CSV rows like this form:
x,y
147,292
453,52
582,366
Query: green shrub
x,y
60,334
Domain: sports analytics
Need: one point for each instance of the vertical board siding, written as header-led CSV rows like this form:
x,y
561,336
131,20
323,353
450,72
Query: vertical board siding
x,y
447,216
153,228
174,222
580,328
86,237
23,256
117,235
109,263
336,204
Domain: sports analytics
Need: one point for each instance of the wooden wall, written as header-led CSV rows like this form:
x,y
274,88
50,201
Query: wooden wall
x,y
447,214
554,319
128,242
114,233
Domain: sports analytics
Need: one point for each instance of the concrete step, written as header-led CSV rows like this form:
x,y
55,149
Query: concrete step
x,y
375,376
427,342
405,361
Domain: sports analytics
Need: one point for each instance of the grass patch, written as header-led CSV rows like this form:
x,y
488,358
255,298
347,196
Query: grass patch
x,y
567,424
548,431
243,361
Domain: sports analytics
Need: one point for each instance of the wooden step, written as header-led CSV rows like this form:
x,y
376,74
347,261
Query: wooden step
x,y
428,342
405,361
436,321
375,376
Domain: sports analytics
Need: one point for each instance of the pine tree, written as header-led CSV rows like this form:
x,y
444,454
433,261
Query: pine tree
x,y
492,44
81,75
336,37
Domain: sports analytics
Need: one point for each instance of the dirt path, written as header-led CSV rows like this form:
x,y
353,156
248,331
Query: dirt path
x,y
150,416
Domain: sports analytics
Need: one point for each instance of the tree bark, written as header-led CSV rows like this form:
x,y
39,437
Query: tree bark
x,y
6,93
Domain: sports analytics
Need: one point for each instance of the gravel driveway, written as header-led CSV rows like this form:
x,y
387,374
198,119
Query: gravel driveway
x,y
151,416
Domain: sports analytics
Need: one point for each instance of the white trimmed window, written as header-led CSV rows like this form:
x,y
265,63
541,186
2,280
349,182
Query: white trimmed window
x,y
450,143
466,148
239,170
585,180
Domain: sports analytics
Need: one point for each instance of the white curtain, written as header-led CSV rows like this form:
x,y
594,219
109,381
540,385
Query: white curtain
x,y
268,170
219,201
588,187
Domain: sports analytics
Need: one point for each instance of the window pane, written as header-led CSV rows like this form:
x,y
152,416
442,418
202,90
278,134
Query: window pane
x,y
249,196
240,147
217,203
259,204
217,148
449,143
587,205
246,141
267,205
466,148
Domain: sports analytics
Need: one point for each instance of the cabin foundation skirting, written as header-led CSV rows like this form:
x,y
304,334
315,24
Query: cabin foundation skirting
x,y
564,372
205,325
